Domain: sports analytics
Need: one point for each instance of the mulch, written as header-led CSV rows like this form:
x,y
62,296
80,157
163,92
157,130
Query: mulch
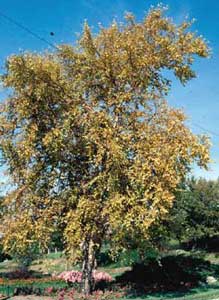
x,y
30,297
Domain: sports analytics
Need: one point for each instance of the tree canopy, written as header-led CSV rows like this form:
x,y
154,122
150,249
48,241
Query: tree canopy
x,y
194,215
91,145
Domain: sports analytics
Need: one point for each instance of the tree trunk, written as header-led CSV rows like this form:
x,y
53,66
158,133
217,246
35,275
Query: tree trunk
x,y
88,266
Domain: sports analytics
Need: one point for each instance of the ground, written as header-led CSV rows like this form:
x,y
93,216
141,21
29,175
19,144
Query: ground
x,y
55,263
31,297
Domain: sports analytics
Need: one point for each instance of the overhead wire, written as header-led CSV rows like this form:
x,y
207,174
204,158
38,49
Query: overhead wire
x,y
208,131
44,40
28,30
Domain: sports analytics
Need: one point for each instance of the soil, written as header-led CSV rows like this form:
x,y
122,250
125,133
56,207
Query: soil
x,y
30,297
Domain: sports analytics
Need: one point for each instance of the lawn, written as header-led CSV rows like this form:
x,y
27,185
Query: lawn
x,y
205,293
56,263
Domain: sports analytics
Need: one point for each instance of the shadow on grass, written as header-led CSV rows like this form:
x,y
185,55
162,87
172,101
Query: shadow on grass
x,y
172,275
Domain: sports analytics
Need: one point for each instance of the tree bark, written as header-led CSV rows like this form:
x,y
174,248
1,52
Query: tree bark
x,y
88,266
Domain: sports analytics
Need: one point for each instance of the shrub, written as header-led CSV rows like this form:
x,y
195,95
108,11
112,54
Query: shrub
x,y
210,244
19,274
76,276
101,276
168,274
71,276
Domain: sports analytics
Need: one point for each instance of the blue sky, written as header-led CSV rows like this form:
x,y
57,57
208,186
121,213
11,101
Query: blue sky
x,y
199,98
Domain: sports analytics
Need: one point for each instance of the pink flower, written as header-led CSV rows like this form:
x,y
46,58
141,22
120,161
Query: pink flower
x,y
101,276
49,290
71,276
76,276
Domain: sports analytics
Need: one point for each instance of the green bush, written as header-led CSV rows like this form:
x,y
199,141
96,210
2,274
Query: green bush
x,y
170,273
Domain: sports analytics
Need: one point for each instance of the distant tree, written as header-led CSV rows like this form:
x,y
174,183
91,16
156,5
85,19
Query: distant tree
x,y
89,140
194,215
57,240
3,256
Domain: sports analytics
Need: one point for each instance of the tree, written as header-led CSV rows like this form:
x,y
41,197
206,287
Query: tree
x,y
89,140
194,215
19,241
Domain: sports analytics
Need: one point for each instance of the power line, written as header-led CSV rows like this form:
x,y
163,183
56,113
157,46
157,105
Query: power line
x,y
11,20
35,35
205,129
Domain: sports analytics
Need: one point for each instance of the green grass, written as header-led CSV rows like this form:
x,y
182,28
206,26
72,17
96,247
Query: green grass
x,y
207,293
8,289
54,255
56,262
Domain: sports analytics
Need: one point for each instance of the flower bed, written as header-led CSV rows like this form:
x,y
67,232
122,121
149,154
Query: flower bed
x,y
30,286
29,281
50,285
76,276
96,295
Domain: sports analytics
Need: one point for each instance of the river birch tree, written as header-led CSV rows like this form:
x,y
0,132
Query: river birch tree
x,y
89,141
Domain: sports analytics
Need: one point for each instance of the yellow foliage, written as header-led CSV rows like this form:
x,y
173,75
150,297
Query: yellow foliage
x,y
89,141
